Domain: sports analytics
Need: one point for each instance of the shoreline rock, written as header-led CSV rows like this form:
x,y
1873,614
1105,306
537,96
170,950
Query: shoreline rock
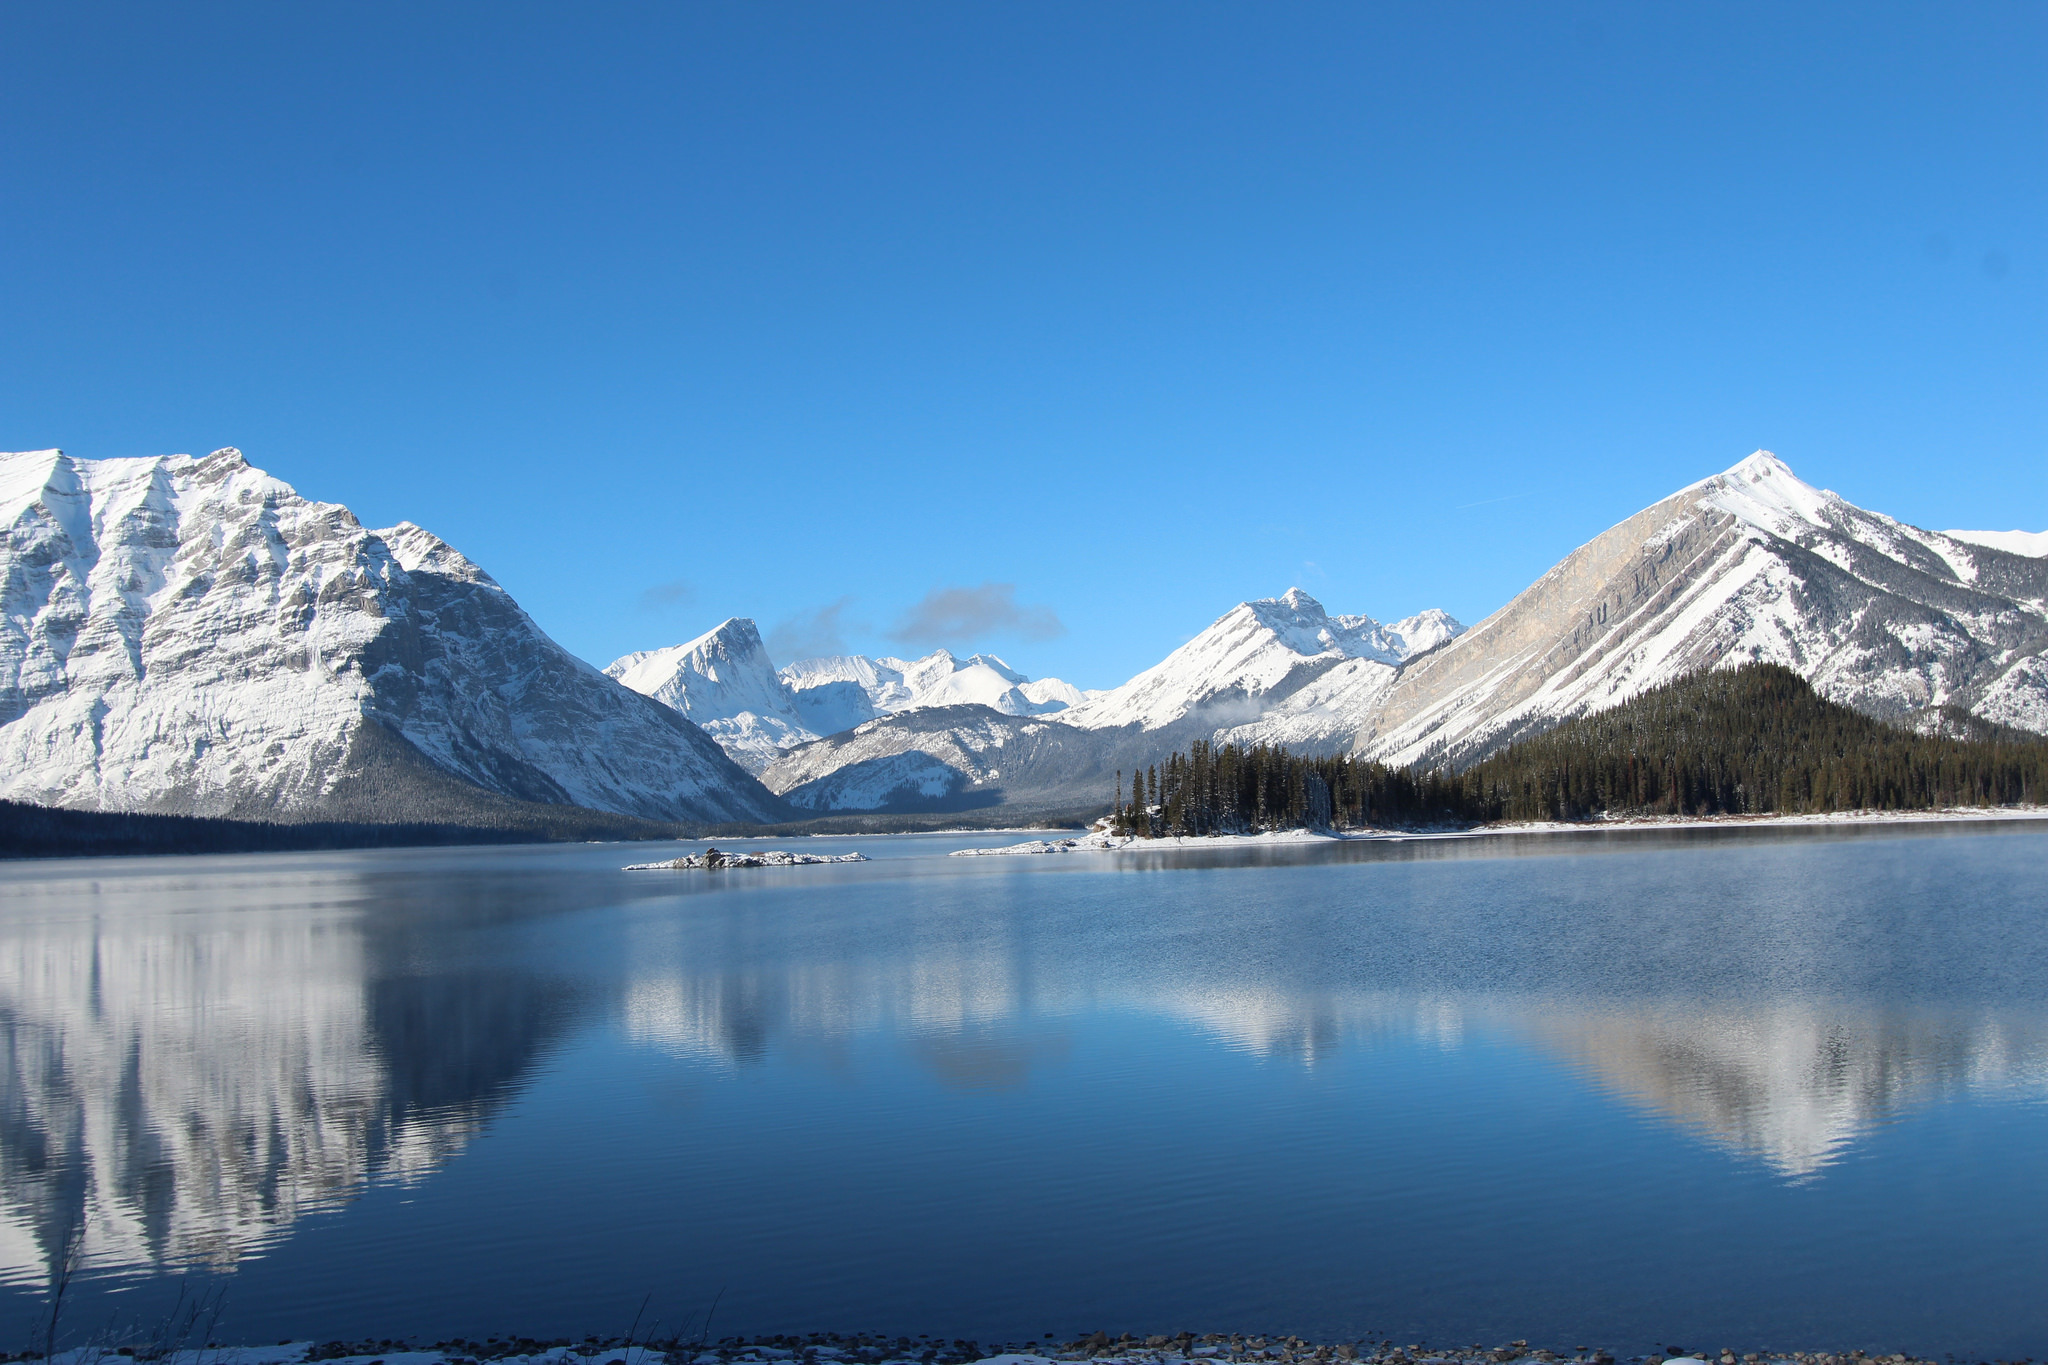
x,y
831,1348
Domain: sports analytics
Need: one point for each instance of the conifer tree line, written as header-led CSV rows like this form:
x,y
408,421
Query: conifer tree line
x,y
1752,740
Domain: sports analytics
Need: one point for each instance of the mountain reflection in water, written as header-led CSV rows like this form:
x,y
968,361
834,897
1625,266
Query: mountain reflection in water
x,y
196,1055
177,1093
1793,1084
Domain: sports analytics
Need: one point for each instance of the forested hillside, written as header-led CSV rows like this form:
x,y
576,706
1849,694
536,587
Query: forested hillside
x,y
1753,740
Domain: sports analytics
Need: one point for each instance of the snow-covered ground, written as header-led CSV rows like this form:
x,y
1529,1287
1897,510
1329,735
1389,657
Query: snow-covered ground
x,y
770,857
2032,543
1099,842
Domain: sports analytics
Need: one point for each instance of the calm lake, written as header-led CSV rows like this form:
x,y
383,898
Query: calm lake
x,y
1725,1088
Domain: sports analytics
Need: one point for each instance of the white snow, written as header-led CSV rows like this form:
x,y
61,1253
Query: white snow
x,y
893,685
2033,544
1889,632
724,681
1086,843
192,635
770,857
1257,649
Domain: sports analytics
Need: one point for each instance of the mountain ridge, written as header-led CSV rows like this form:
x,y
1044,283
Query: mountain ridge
x,y
191,636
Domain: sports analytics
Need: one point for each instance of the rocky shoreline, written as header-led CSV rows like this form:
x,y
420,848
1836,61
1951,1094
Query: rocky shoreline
x,y
870,1349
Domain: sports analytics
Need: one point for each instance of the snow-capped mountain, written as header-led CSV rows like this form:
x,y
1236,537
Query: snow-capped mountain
x,y
1751,564
724,682
191,635
1256,656
938,679
1272,658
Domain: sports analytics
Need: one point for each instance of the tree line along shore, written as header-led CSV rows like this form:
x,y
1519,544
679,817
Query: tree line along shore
x,y
1755,740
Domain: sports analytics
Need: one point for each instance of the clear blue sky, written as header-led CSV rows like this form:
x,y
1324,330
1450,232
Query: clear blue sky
x,y
669,312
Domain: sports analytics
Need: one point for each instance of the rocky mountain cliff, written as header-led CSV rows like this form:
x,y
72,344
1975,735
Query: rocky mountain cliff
x,y
192,636
1751,564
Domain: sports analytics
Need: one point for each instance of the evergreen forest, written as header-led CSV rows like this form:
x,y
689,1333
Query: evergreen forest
x,y
1748,741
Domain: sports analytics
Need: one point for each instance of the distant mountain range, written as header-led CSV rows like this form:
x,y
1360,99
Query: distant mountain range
x,y
190,636
1749,565
724,681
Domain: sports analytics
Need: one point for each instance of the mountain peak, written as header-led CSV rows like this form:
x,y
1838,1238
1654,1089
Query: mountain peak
x,y
737,633
1763,491
1758,466
1296,600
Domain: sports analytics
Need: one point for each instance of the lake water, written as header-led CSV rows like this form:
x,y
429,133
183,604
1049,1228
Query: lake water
x,y
1747,1089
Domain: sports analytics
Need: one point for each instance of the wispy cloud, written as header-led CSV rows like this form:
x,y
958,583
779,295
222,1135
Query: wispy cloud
x,y
664,595
961,615
810,634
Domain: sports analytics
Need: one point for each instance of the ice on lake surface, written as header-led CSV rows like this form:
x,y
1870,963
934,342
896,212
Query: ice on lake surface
x,y
1756,1088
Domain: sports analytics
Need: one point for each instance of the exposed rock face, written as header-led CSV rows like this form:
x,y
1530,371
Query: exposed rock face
x,y
1749,565
192,636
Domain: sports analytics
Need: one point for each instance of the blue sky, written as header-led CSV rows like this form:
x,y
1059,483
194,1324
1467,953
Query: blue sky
x,y
820,313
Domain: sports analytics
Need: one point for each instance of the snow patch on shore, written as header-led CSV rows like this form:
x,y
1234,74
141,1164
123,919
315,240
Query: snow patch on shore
x,y
1100,842
774,857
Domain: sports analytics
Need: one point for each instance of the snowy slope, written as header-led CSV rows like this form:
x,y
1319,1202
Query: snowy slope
x,y
938,679
2031,543
1751,564
191,635
1275,669
1256,656
724,682
946,758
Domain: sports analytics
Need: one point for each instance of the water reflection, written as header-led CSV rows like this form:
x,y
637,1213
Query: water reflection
x,y
180,1096
1792,1084
188,1070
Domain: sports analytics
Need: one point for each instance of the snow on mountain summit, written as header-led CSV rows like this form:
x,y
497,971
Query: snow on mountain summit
x,y
725,682
192,636
1750,564
1254,655
938,679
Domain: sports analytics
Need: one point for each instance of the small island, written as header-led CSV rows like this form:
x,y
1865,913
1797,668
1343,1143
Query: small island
x,y
712,860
